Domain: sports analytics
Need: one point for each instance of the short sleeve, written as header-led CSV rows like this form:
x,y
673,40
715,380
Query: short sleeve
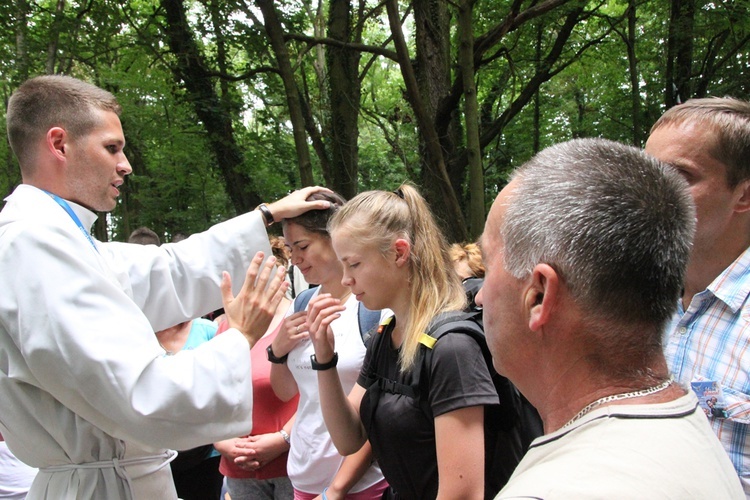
x,y
459,376
367,373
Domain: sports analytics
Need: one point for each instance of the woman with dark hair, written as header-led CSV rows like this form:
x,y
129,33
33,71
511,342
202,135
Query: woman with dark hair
x,y
315,467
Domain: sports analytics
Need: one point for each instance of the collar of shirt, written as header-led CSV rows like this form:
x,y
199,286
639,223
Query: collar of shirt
x,y
731,286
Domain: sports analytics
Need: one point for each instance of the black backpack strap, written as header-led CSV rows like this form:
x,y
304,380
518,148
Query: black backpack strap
x,y
375,385
508,412
444,323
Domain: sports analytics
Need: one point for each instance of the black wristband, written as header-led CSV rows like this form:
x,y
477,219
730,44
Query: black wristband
x,y
324,366
267,215
272,357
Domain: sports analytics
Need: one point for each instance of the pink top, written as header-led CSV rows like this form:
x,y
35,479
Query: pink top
x,y
269,412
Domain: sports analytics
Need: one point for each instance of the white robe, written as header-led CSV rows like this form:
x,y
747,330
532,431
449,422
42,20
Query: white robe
x,y
86,394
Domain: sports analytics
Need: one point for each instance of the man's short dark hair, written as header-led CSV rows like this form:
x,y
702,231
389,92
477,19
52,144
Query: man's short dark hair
x,y
729,118
53,101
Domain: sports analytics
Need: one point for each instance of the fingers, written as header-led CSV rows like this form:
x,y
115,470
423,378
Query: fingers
x,y
305,193
252,271
247,464
296,324
278,286
256,277
297,329
322,307
226,289
296,203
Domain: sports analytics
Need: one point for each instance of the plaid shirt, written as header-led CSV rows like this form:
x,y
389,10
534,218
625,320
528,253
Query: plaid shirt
x,y
711,342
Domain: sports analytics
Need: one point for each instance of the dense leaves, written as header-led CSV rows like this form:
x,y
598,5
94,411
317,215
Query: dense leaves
x,y
231,102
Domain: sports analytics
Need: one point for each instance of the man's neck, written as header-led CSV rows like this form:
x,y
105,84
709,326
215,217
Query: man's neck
x,y
611,395
705,266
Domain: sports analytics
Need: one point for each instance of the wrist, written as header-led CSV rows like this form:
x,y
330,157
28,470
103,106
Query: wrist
x,y
278,212
286,436
267,214
332,493
327,365
277,360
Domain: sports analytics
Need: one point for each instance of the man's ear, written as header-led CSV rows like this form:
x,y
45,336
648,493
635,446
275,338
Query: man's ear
x,y
743,191
57,140
403,250
541,295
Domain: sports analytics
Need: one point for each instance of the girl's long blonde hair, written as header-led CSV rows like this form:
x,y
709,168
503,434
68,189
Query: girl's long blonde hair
x,y
378,218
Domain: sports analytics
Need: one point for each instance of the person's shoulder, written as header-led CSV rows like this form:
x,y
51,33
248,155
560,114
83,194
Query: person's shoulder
x,y
206,327
27,234
459,345
303,298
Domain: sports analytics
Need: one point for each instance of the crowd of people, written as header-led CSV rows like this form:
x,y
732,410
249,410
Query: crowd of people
x,y
609,292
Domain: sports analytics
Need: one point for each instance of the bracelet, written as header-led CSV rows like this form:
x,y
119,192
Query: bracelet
x,y
266,212
324,366
275,359
286,437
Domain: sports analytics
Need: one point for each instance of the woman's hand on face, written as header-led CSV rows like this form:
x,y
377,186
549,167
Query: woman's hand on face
x,y
292,332
321,312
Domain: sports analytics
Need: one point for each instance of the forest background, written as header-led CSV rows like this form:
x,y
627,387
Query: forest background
x,y
228,103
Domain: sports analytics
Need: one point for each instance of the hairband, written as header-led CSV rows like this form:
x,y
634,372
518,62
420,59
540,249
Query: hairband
x,y
399,193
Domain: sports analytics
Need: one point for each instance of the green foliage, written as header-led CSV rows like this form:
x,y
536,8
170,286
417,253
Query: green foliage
x,y
178,186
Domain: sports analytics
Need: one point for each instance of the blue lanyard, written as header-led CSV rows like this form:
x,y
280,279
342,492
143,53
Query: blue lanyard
x,y
73,216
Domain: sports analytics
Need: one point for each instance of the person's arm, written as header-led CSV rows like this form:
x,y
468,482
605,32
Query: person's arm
x,y
340,412
257,451
176,282
228,448
351,471
95,341
459,435
292,331
459,387
296,204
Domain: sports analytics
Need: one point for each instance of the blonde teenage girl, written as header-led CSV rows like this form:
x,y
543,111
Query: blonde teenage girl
x,y
395,257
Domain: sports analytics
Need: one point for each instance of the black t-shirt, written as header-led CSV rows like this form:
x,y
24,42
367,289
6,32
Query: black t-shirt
x,y
401,434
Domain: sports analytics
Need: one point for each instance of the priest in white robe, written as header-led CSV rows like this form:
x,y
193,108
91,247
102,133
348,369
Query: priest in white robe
x,y
88,396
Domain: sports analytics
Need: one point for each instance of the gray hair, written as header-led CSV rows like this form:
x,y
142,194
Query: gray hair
x,y
616,224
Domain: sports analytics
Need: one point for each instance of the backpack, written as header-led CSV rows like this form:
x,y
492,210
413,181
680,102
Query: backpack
x,y
368,320
509,427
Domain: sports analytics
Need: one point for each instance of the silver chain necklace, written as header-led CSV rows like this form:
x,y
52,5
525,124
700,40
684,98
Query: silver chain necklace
x,y
617,397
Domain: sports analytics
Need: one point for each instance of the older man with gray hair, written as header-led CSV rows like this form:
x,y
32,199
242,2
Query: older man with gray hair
x,y
586,251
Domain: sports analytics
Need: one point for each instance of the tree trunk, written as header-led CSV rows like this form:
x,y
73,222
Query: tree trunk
x,y
275,32
635,91
22,54
21,74
471,118
444,202
191,70
539,27
54,38
679,52
344,95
